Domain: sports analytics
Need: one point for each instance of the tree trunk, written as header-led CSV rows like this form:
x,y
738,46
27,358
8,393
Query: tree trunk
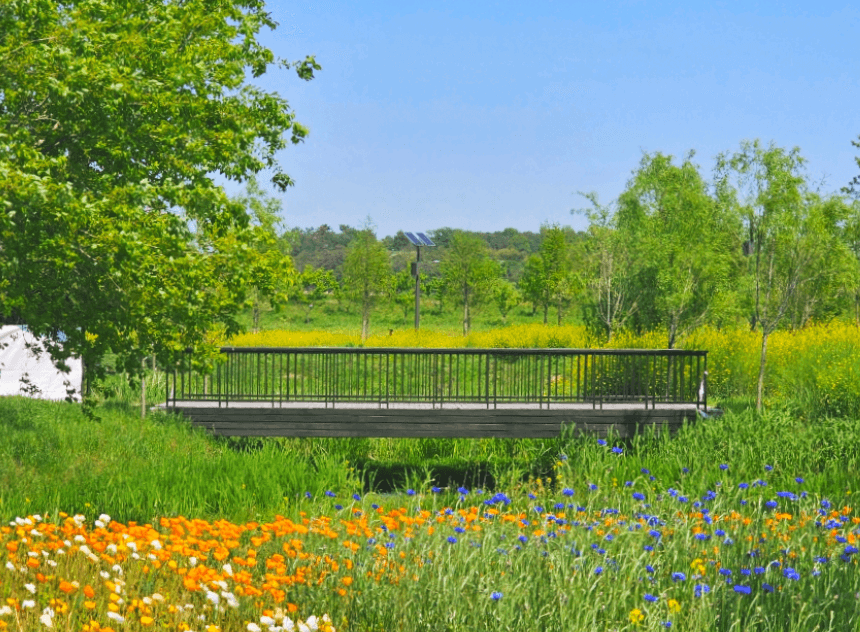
x,y
365,320
466,311
545,312
760,390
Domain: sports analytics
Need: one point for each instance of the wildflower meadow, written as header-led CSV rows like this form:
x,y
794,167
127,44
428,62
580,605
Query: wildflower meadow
x,y
742,522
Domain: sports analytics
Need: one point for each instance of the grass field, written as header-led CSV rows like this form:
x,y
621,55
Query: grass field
x,y
747,522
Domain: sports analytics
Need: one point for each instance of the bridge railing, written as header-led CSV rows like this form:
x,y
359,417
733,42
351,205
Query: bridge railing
x,y
490,377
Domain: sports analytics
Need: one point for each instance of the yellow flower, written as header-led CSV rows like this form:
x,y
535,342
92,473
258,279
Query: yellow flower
x,y
636,616
674,606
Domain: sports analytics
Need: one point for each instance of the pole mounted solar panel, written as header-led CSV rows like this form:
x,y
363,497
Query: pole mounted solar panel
x,y
425,240
415,241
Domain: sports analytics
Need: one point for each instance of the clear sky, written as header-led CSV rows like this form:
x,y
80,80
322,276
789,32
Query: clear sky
x,y
485,115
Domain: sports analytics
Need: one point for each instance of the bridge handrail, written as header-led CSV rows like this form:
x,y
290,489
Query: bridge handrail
x,y
489,376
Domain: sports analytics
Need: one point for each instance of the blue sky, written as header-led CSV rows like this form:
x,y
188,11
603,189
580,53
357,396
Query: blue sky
x,y
485,115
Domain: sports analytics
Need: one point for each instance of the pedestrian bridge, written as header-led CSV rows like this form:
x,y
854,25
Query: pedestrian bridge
x,y
396,392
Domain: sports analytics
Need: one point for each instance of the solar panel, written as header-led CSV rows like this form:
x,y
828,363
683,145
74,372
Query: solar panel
x,y
413,239
425,239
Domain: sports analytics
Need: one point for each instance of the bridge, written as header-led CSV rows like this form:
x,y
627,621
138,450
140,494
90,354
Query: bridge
x,y
396,392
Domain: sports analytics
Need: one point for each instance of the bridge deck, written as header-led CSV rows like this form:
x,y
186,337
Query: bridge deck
x,y
353,419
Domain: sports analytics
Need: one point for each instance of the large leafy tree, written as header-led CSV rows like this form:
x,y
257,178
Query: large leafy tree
x,y
116,121
686,241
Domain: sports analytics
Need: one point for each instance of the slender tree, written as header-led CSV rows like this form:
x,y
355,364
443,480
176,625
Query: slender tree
x,y
549,278
366,271
784,227
468,272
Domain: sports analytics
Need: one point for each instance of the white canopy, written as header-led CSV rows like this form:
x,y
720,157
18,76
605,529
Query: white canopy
x,y
27,369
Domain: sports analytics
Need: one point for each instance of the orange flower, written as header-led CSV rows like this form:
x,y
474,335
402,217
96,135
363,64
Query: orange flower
x,y
146,621
347,581
67,587
89,592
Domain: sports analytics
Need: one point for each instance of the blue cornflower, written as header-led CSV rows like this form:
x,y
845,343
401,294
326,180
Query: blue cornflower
x,y
726,572
678,577
496,596
654,533
685,470
771,504
768,468
307,494
410,492
532,496
538,508
648,547
767,588
523,539
666,624
617,450
850,550
330,494
645,470
338,507
567,491
789,495
598,570
356,497
719,533
683,499
592,487
628,483
702,536
701,589
746,572
374,506
562,457
435,489
650,598
638,496
790,573
452,539
389,545
463,490
798,479
459,530
743,485
650,569
758,570
743,590
601,442
724,466
826,504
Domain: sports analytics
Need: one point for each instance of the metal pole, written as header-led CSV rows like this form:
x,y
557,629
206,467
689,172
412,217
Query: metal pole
x,y
417,287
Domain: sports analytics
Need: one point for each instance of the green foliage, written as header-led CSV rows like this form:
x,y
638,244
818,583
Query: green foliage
x,y
548,277
366,272
468,272
114,119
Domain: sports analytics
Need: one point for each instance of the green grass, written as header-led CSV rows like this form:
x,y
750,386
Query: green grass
x,y
53,458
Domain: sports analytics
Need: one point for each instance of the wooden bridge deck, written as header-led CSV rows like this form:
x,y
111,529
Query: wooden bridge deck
x,y
350,419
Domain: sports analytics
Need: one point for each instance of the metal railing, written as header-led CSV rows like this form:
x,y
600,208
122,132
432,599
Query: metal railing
x,y
490,377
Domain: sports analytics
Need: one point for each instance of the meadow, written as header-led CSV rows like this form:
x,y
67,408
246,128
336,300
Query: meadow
x,y
745,522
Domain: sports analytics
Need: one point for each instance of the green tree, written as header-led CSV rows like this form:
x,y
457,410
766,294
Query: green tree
x,y
548,278
785,229
612,295
468,272
115,120
686,243
278,274
313,286
366,270
505,297
853,187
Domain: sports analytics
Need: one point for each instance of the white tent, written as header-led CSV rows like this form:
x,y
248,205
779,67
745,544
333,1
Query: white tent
x,y
27,369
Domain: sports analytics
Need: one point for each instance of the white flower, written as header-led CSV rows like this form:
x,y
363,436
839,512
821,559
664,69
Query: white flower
x,y
289,626
105,574
47,620
116,568
116,616
28,603
213,597
156,545
51,563
5,610
227,569
253,627
37,517
80,539
79,519
32,553
147,601
132,545
111,548
312,622
35,533
104,518
31,588
10,566
100,524
303,627
266,620
192,561
157,597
